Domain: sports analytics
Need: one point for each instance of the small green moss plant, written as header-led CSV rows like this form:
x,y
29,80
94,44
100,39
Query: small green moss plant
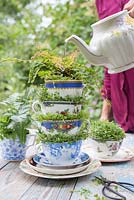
x,y
86,194
43,95
61,137
105,130
82,115
58,116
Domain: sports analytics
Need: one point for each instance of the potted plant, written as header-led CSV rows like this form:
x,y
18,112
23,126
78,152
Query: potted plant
x,y
61,147
61,135
65,83
49,66
107,138
61,98
48,103
15,119
61,75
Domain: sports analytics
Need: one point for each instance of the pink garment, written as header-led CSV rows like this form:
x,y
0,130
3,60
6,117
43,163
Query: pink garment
x,y
119,88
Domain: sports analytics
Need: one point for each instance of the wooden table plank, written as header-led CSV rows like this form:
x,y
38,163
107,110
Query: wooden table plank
x,y
118,172
49,190
66,190
13,182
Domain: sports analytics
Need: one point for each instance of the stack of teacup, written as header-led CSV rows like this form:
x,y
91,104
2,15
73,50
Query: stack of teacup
x,y
59,139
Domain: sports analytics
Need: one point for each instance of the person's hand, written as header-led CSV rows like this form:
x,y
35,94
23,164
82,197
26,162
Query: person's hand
x,y
130,7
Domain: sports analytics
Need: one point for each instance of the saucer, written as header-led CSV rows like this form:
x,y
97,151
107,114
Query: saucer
x,y
123,155
93,166
81,160
56,170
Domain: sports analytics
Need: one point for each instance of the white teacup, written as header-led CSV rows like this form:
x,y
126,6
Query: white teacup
x,y
56,107
105,149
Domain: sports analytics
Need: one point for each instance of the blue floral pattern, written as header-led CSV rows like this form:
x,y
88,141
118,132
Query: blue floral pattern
x,y
12,149
61,152
42,160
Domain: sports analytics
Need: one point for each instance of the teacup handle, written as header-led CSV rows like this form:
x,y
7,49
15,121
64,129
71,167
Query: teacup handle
x,y
34,106
33,142
39,149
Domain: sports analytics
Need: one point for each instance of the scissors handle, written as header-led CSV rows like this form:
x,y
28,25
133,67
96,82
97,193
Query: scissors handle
x,y
126,185
107,187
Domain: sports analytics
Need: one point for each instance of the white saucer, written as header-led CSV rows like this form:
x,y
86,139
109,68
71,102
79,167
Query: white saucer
x,y
123,155
56,170
92,167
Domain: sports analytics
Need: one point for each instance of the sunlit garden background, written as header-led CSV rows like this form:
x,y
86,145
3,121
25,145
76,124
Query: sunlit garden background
x,y
29,26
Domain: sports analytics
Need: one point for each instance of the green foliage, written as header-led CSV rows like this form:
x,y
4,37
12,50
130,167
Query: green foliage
x,y
15,117
84,192
60,137
23,31
58,116
63,136
12,7
43,95
105,130
72,18
97,197
87,194
49,66
83,115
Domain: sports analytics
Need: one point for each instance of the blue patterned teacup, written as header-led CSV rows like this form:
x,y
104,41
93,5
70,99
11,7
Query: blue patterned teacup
x,y
73,88
60,153
13,150
68,126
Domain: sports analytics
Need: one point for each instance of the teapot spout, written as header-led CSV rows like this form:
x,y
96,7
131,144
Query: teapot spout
x,y
87,52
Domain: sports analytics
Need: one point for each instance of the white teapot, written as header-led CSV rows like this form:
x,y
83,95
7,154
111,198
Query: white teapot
x,y
112,44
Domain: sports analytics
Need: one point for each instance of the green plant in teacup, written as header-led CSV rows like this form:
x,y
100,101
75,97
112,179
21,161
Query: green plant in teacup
x,y
106,138
47,65
54,103
52,71
60,106
15,119
43,95
66,122
61,75
61,148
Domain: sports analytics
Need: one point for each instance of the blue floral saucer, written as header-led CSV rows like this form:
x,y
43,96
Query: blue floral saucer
x,y
82,159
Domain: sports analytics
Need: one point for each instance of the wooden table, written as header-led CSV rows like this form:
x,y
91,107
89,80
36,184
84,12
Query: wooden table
x,y
16,185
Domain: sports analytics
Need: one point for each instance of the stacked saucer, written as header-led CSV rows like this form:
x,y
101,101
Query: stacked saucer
x,y
28,169
40,163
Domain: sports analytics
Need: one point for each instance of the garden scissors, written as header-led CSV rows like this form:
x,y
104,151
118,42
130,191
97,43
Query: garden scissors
x,y
109,187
